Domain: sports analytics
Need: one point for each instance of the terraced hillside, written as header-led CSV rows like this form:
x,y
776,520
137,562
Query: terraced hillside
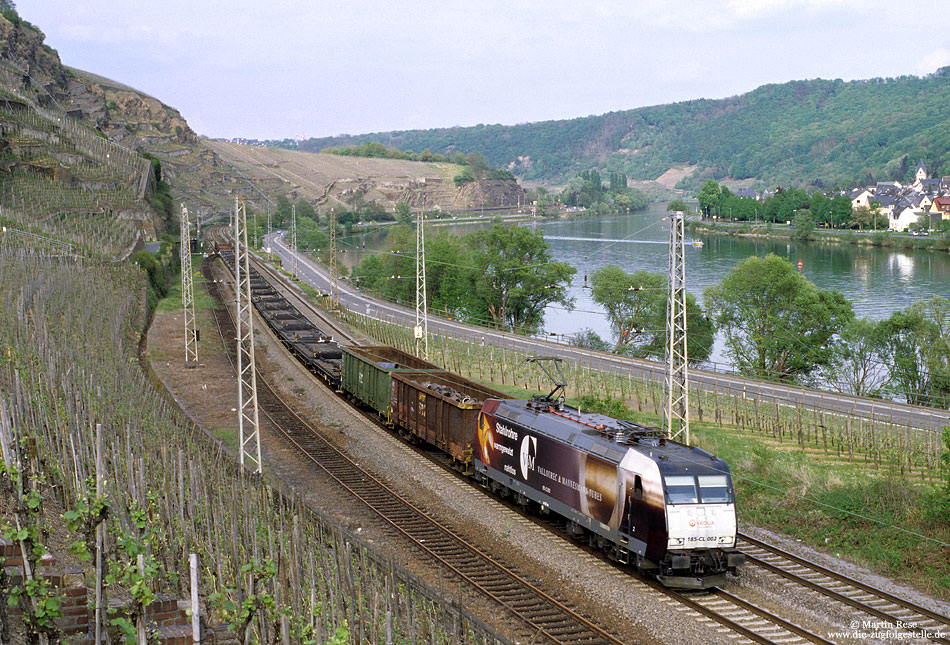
x,y
62,181
342,182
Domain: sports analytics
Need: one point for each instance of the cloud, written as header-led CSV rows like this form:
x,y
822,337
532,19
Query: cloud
x,y
117,34
933,61
703,16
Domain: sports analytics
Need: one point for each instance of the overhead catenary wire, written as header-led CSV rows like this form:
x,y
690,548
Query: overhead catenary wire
x,y
785,333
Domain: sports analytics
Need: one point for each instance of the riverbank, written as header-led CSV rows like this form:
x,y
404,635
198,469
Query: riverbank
x,y
768,230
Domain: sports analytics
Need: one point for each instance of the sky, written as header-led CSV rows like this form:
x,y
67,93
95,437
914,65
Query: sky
x,y
282,69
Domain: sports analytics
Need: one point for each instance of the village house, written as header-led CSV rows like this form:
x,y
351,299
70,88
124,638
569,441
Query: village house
x,y
941,206
904,205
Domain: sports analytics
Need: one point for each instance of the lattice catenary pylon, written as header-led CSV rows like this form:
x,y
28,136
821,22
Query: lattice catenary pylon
x,y
248,426
421,330
293,236
334,293
676,412
188,292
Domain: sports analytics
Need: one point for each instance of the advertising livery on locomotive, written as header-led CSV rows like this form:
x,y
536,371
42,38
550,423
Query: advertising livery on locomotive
x,y
662,506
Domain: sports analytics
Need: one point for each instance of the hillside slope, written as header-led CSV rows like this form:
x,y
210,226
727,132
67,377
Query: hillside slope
x,y
815,132
342,182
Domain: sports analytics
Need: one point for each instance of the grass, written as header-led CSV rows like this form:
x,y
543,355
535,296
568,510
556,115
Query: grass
x,y
172,301
879,521
227,436
849,510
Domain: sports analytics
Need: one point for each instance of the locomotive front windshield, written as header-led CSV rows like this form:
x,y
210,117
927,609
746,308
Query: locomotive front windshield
x,y
681,489
712,489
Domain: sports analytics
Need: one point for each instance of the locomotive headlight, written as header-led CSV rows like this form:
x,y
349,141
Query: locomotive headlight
x,y
725,539
676,541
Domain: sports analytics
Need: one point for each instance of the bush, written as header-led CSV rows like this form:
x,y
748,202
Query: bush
x,y
463,177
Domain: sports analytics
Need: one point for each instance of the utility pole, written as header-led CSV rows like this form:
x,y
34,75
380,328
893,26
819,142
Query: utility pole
x,y
676,412
248,426
293,236
270,221
334,295
188,291
421,330
256,245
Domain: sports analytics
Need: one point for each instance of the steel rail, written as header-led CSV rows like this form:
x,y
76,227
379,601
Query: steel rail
x,y
838,595
366,478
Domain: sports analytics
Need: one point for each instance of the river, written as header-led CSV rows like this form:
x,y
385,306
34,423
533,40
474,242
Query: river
x,y
877,281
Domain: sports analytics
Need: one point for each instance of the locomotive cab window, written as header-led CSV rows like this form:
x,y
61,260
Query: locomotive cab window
x,y
681,489
714,489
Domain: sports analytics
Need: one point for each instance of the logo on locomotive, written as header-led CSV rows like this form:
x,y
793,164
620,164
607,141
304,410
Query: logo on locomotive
x,y
529,451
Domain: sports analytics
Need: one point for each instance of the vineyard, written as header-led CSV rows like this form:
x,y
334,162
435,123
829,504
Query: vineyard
x,y
67,183
88,440
889,446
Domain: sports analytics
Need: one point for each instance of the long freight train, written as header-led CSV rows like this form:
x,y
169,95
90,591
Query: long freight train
x,y
664,508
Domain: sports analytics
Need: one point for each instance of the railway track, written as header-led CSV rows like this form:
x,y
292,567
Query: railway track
x,y
542,616
753,623
304,306
875,605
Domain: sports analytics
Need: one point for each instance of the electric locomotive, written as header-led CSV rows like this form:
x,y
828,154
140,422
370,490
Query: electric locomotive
x,y
665,508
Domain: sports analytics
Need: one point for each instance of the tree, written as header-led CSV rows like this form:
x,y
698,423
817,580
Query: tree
x,y
630,300
476,161
700,331
902,353
282,212
449,273
588,339
915,345
864,218
391,274
636,309
677,205
922,223
403,214
804,225
777,324
305,210
840,211
709,197
515,278
463,177
857,367
309,236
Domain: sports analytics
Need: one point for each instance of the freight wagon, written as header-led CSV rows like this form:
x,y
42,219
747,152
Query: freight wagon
x,y
367,374
440,409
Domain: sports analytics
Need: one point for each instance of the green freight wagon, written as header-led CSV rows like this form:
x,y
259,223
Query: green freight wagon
x,y
368,370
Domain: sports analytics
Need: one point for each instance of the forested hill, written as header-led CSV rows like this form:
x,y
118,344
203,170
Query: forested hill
x,y
814,132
